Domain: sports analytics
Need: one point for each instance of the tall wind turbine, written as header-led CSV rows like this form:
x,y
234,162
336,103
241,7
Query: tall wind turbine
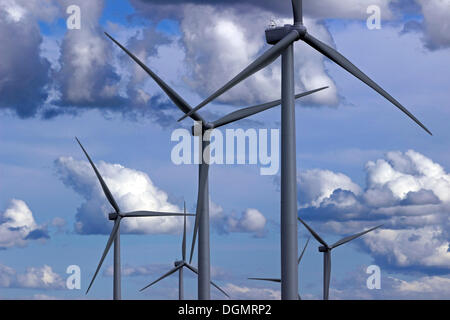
x,y
326,249
179,265
117,216
202,212
278,279
282,39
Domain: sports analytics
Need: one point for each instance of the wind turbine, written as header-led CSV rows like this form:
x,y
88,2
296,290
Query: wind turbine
x,y
117,216
179,265
202,212
326,249
282,39
278,279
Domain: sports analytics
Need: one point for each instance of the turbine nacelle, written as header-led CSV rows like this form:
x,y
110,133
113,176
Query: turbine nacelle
x,y
178,263
274,35
324,249
113,216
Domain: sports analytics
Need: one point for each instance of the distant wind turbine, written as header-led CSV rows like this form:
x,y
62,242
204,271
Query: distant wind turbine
x,y
202,212
117,216
179,265
326,249
278,279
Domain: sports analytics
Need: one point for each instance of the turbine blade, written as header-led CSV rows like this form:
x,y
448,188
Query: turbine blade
x,y
162,277
264,60
212,282
175,97
303,251
313,233
106,191
183,248
247,112
266,279
203,178
297,8
111,239
350,238
339,59
134,214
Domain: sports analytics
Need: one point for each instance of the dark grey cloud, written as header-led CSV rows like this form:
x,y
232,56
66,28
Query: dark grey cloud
x,y
37,234
24,74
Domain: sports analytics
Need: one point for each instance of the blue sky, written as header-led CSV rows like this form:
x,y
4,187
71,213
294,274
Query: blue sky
x,y
360,161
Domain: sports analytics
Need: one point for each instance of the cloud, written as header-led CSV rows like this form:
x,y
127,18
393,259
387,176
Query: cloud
x,y
59,224
350,9
407,192
250,221
353,286
24,74
86,77
49,75
321,184
17,226
132,189
34,278
251,293
220,43
436,26
135,271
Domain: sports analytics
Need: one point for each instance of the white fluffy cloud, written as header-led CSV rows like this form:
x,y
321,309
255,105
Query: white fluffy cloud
x,y
407,192
132,189
34,278
250,221
86,76
321,184
220,43
433,287
17,226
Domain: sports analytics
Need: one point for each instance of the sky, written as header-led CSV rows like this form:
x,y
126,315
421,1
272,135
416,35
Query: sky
x,y
360,161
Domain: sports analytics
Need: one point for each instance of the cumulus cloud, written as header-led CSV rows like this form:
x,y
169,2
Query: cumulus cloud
x,y
407,192
321,185
220,43
17,226
24,74
250,221
132,189
84,70
49,75
34,278
86,77
436,26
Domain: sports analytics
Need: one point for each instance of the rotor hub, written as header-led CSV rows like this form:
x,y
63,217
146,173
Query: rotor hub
x,y
205,126
273,35
323,249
